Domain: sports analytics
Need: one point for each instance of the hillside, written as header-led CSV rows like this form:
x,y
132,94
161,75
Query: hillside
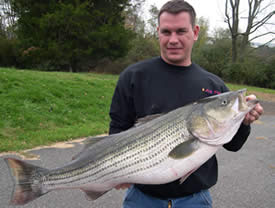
x,y
44,107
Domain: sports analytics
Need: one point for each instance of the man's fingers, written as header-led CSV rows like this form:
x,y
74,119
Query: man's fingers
x,y
250,97
259,109
123,186
255,113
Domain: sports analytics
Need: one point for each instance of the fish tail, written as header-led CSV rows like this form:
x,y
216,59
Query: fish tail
x,y
27,181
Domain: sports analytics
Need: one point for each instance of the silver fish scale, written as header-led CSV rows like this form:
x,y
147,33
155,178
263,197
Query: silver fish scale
x,y
149,148
149,155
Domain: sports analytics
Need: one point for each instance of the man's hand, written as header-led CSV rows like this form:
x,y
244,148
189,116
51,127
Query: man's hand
x,y
123,186
255,113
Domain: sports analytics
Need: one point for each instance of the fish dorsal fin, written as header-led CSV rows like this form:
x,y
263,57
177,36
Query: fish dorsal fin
x,y
146,119
89,142
184,149
92,195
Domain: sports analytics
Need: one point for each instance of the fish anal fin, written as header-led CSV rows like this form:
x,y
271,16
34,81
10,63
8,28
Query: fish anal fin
x,y
183,178
184,149
93,195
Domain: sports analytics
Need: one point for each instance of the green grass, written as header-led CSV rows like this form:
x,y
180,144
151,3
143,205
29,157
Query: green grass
x,y
250,89
38,108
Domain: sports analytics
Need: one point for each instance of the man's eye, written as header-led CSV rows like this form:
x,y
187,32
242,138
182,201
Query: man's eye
x,y
181,32
165,32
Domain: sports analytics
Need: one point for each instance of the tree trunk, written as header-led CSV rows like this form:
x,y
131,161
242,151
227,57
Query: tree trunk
x,y
234,49
255,8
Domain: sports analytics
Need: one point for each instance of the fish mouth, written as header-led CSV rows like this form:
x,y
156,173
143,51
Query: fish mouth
x,y
252,103
244,104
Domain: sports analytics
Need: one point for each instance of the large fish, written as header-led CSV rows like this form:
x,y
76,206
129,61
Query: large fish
x,y
158,150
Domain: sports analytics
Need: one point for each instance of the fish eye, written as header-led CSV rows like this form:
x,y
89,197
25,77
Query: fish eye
x,y
224,102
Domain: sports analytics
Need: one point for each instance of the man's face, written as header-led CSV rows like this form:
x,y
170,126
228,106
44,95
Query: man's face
x,y
176,38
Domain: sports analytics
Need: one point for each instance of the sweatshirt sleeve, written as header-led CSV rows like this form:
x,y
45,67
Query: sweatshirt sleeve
x,y
239,139
122,111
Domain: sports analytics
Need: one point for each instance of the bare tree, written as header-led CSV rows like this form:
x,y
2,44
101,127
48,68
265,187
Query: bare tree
x,y
153,21
257,17
133,16
7,18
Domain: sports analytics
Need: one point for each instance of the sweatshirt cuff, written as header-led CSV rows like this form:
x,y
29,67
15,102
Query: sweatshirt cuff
x,y
239,139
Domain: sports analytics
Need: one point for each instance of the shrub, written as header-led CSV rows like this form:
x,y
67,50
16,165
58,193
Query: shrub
x,y
251,71
142,48
8,53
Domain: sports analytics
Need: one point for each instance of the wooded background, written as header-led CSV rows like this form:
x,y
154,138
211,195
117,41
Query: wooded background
x,y
108,35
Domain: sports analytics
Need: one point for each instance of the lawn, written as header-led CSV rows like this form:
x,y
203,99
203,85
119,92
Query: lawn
x,y
38,108
41,108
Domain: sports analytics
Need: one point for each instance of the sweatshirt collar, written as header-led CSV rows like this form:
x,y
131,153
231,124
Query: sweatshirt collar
x,y
176,67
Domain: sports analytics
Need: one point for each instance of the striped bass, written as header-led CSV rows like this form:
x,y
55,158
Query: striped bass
x,y
158,150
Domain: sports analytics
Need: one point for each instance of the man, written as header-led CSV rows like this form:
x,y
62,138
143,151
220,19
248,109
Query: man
x,y
162,84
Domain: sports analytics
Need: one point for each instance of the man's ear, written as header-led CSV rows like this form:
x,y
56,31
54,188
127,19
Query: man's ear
x,y
196,31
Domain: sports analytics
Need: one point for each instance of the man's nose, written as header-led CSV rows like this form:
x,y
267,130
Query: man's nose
x,y
173,38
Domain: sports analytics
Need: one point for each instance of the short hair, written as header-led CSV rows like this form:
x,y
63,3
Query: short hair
x,y
177,6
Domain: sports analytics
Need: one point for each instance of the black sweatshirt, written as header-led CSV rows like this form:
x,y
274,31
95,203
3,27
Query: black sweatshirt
x,y
153,86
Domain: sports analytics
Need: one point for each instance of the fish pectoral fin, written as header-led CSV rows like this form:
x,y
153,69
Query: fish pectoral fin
x,y
184,149
93,195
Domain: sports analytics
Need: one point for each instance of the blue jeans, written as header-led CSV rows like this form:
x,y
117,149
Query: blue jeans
x,y
136,199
